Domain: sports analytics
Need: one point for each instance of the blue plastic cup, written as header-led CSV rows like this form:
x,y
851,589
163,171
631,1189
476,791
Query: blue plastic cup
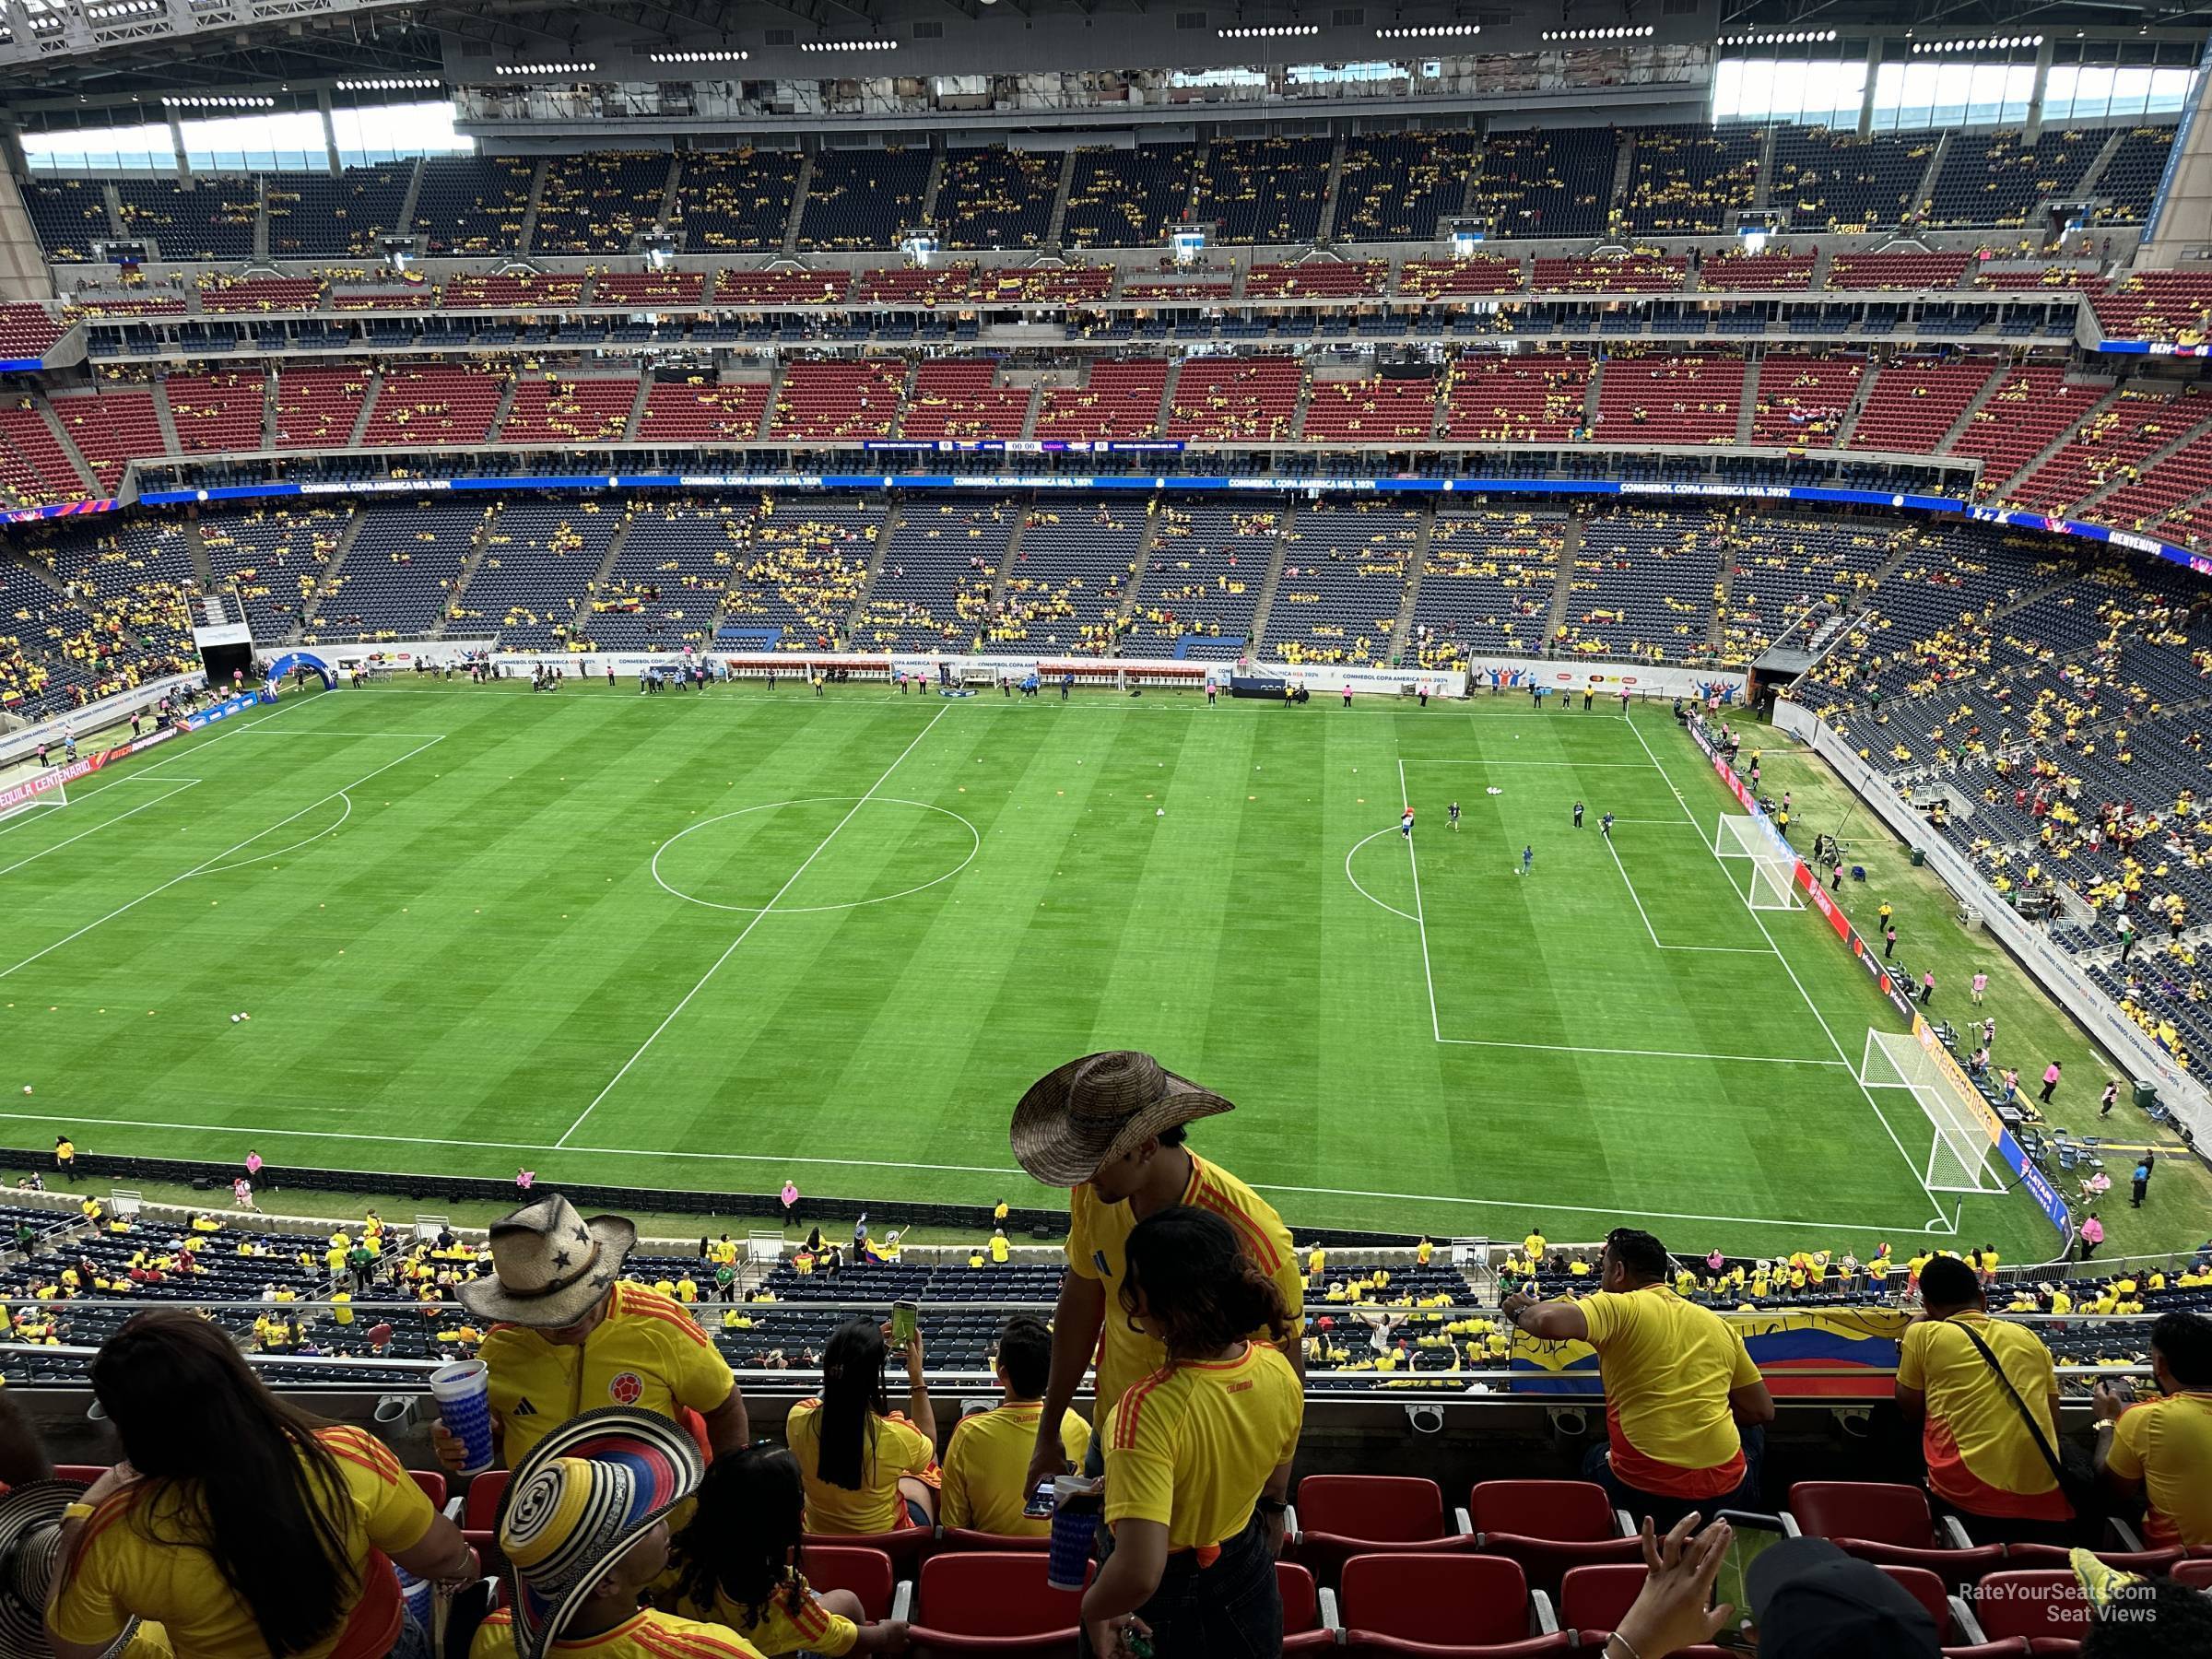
x,y
417,1594
1077,1506
463,1390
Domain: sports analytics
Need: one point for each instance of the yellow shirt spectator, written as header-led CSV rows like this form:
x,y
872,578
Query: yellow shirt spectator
x,y
1192,1446
898,1449
2167,1444
1668,1367
1980,1454
986,1461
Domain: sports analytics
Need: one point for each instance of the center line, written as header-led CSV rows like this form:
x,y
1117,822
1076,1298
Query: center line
x,y
759,916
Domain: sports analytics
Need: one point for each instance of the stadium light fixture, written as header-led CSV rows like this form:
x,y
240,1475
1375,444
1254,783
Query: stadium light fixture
x,y
401,83
1432,32
849,46
180,101
1272,31
700,57
1987,43
1619,32
544,68
1787,37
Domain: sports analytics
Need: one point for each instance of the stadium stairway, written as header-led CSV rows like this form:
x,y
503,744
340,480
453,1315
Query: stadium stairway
x,y
1395,652
1274,578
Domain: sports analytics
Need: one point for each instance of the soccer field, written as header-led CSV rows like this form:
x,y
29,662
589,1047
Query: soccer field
x,y
710,941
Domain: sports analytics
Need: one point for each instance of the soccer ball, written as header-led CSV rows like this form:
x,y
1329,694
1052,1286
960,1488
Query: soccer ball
x,y
234,1018
1159,812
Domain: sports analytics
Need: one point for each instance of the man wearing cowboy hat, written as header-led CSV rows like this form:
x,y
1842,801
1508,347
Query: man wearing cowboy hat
x,y
584,1528
569,1336
1110,1127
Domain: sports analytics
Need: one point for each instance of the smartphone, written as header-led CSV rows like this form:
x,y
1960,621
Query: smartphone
x,y
1039,1506
1754,1535
903,1325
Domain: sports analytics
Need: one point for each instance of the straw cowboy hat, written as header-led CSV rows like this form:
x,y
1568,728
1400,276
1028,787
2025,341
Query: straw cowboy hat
x,y
574,1507
550,1267
31,1537
1088,1113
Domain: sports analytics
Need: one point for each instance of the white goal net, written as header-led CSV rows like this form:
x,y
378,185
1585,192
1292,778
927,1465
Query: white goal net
x,y
1774,871
40,789
1961,1153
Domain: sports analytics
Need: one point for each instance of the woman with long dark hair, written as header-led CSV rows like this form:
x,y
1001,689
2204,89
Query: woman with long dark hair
x,y
1199,1453
863,1462
243,1526
740,1562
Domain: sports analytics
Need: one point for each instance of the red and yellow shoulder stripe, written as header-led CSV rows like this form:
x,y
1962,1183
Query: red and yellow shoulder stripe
x,y
359,1447
1209,1193
636,1302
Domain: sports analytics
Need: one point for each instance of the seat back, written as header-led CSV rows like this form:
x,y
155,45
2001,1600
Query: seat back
x,y
1545,1564
999,1592
1445,1600
1566,1511
432,1483
1386,1508
1595,1599
1929,1591
2050,1558
2196,1575
1874,1511
481,1511
866,1572
961,1537
904,1546
1301,1599
2035,1604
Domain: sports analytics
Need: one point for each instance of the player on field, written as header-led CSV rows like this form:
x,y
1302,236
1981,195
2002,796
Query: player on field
x,y
1453,813
1405,824
1578,815
1606,825
1528,857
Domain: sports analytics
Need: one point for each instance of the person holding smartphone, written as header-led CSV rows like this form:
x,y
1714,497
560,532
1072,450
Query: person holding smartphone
x,y
1685,1409
862,1463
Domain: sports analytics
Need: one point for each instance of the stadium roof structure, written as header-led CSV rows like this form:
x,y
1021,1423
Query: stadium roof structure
x,y
55,52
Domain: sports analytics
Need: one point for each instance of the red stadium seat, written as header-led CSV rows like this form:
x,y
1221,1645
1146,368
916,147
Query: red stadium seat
x,y
2017,1647
905,1547
961,1537
1309,1612
1889,1525
480,1512
1550,1527
86,1473
1444,1606
1340,1516
867,1572
993,1607
432,1484
2196,1575
1593,1600
2050,1558
2043,1607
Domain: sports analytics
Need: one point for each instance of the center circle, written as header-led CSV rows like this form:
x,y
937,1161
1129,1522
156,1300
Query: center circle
x,y
820,853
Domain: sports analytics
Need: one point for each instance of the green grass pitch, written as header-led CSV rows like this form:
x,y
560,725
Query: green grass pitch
x,y
713,941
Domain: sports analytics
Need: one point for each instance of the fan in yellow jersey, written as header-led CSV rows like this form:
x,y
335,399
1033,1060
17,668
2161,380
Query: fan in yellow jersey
x,y
584,1528
567,1338
1111,1127
238,1524
1199,1453
2161,1450
988,1457
863,1464
739,1561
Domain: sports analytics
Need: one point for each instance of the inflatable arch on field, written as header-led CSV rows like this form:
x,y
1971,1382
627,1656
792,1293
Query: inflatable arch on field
x,y
283,667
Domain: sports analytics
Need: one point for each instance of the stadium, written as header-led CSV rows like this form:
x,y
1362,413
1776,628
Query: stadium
x,y
675,604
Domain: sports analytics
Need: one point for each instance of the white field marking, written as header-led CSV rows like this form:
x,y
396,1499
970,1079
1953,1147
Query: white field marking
x,y
334,732
159,769
975,839
1436,1028
1363,893
746,932
1601,765
1657,942
1919,1175
1576,1048
181,786
240,864
205,865
937,1169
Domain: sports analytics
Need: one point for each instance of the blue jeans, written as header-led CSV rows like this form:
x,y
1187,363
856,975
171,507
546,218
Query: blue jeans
x,y
1232,1609
414,1642
1665,1511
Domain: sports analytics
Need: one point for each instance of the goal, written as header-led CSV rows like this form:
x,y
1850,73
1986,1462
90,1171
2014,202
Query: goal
x,y
1774,869
40,789
1965,1128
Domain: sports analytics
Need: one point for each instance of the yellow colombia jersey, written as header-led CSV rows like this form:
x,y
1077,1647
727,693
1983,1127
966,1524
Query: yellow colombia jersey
x,y
899,1449
987,1460
649,1635
792,1620
131,1559
1098,1247
1191,1446
2167,1444
1668,1367
1980,1454
647,1354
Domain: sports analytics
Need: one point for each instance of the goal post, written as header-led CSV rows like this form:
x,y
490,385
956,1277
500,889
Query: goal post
x,y
26,795
1964,1129
1774,869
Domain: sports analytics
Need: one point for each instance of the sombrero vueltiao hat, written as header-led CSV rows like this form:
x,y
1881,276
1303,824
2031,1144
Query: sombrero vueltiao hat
x,y
30,1540
1090,1111
550,1267
586,1493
